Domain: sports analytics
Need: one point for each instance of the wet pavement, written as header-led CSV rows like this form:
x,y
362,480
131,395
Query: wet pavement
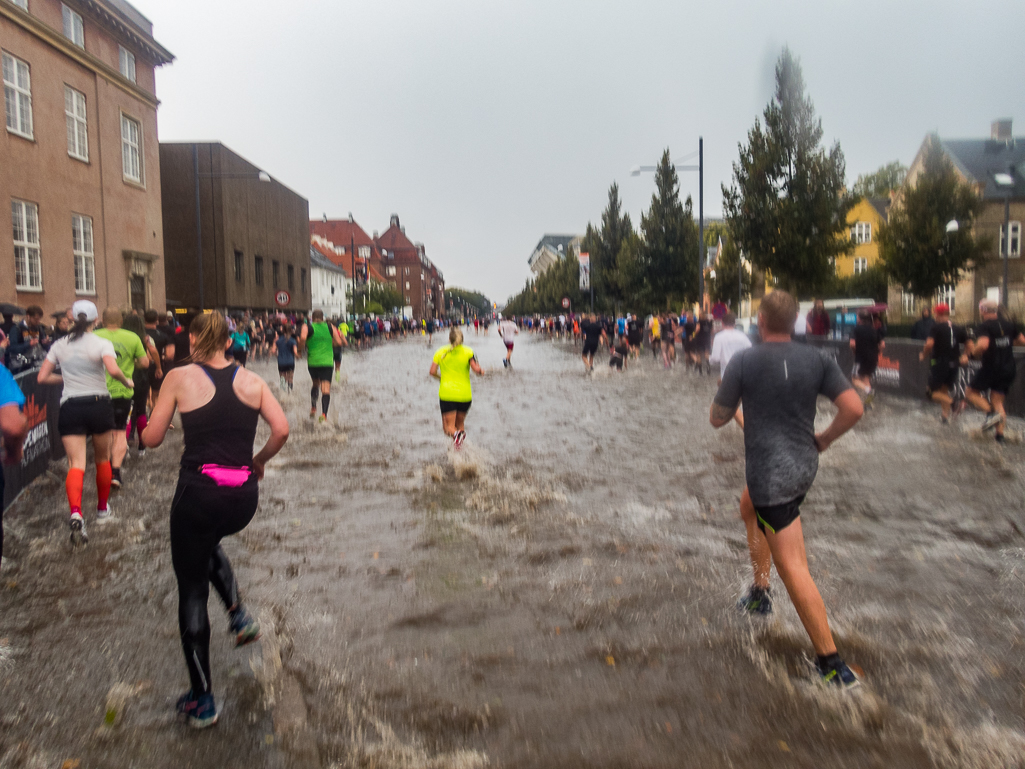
x,y
559,594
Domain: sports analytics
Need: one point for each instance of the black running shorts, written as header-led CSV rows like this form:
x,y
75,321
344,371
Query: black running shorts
x,y
461,407
323,373
88,415
867,366
122,408
338,354
590,348
996,381
941,376
616,361
634,340
286,368
778,517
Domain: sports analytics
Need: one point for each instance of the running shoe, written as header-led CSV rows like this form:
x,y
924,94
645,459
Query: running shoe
x,y
141,452
944,420
757,600
1001,439
870,398
200,712
115,478
839,675
322,419
505,363
459,438
313,412
102,516
244,626
78,532
992,421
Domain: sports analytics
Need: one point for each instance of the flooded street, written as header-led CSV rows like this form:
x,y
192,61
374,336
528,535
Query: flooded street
x,y
561,593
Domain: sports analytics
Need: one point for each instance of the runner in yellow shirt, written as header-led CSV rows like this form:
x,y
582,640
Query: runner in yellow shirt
x,y
451,365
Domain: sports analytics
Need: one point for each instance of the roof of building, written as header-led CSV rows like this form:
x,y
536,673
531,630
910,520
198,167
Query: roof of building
x,y
881,205
320,261
981,159
394,238
554,241
127,20
341,232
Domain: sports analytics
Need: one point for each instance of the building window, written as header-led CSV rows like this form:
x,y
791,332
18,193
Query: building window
x,y
78,131
131,146
23,4
364,252
17,96
302,281
240,267
1015,239
291,278
126,62
82,246
74,30
389,271
861,232
945,295
28,271
407,285
407,271
275,274
860,265
258,269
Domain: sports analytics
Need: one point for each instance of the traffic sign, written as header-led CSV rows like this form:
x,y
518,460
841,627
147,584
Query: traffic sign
x,y
282,298
565,303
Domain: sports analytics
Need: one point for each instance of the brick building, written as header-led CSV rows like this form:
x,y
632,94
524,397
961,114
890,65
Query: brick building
x,y
79,162
417,278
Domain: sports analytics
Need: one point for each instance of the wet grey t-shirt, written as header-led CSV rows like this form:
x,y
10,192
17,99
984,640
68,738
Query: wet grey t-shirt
x,y
779,383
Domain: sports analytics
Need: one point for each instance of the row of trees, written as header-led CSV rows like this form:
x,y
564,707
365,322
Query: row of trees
x,y
785,211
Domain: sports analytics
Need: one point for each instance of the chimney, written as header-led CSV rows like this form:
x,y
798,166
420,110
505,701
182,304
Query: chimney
x,y
394,220
375,234
1000,130
403,230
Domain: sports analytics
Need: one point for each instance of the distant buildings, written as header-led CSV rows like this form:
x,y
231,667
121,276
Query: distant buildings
x,y
327,285
863,220
551,249
79,163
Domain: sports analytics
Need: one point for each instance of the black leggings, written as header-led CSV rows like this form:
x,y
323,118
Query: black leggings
x,y
202,513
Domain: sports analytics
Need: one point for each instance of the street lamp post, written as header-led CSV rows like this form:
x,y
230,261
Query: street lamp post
x,y
700,168
1006,182
263,176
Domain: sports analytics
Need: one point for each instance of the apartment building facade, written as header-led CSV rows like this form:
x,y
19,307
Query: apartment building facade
x,y
79,162
420,282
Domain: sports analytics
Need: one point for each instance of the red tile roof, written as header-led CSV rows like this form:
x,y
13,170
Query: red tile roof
x,y
341,232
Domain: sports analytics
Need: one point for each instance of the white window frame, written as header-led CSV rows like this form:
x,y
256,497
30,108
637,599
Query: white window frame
x,y
77,121
1015,228
947,295
861,232
860,265
407,285
130,146
25,233
74,27
82,248
389,271
364,252
126,62
17,76
907,303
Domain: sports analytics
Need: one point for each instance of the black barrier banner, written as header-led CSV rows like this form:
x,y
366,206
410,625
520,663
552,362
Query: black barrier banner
x,y
42,444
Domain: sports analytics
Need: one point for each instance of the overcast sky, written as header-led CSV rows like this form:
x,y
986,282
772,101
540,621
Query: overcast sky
x,y
486,123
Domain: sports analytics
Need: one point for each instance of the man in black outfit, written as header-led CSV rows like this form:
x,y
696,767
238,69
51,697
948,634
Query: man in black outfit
x,y
922,326
593,333
634,332
866,342
943,350
995,338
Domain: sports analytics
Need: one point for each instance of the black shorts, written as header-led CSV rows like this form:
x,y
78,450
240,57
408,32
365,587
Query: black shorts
x,y
996,381
88,415
942,376
634,340
338,355
447,407
590,348
867,366
616,361
122,408
285,369
778,517
323,373
240,356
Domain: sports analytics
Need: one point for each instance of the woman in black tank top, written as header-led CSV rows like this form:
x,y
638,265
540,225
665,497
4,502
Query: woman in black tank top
x,y
217,492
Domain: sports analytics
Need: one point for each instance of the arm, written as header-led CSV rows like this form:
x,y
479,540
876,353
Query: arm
x,y
849,411
981,345
926,350
163,410
46,375
155,357
271,411
302,337
721,415
169,353
336,336
13,426
434,371
476,367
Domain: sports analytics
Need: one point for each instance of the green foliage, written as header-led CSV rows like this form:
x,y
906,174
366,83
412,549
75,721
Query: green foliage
x,y
382,296
725,287
916,251
871,284
544,294
603,245
787,207
473,298
669,260
880,183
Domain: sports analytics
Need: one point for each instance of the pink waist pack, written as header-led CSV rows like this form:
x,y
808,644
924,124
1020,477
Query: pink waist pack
x,y
226,476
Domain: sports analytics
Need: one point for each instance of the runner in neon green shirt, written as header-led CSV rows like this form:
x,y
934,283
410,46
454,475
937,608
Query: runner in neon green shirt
x,y
452,365
319,339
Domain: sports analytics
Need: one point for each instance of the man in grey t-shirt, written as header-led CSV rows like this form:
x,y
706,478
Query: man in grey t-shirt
x,y
779,382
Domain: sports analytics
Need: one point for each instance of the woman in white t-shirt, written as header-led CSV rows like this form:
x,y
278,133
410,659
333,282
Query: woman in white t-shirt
x,y
85,360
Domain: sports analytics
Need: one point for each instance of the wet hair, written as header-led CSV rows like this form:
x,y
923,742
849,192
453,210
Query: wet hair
x,y
150,316
317,315
81,326
455,336
780,311
211,332
112,316
729,319
133,323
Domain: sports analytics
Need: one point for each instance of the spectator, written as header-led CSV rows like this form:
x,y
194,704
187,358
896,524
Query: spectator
x,y
923,326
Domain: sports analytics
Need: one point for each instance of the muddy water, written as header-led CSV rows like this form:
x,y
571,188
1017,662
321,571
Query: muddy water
x,y
558,594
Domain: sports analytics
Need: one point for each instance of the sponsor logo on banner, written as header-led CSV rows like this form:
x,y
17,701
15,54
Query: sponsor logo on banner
x,y
888,372
585,271
37,441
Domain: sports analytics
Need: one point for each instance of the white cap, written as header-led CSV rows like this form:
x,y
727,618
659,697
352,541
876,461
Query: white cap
x,y
84,307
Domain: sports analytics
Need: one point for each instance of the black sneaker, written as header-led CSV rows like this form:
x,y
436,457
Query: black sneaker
x,y
78,532
756,601
1001,439
838,674
244,626
200,712
115,478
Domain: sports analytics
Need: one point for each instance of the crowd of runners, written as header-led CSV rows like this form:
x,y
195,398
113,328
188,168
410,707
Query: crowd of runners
x,y
125,375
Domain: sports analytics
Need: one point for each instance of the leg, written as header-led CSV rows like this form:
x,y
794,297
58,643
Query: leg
x,y
448,423
223,579
460,421
998,407
787,547
101,448
325,397
314,389
761,559
942,397
977,399
74,447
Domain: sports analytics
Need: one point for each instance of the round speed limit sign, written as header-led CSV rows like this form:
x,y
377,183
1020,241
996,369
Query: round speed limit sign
x,y
282,298
565,303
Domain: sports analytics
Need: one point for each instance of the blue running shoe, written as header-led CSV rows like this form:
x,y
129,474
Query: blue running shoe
x,y
200,711
838,674
756,601
244,626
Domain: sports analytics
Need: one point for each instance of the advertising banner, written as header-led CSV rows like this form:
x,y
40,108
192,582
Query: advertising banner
x,y
585,272
42,406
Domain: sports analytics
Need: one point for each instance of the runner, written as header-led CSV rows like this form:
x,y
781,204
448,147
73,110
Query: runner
x,y
217,492
451,366
668,329
508,331
130,353
319,338
141,380
634,335
287,348
13,428
655,333
86,361
343,332
943,349
240,343
430,332
702,343
619,353
779,382
160,341
867,344
994,339
725,345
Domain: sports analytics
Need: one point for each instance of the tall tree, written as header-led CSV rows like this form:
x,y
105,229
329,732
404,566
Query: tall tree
x,y
670,257
730,281
603,245
787,207
880,183
915,248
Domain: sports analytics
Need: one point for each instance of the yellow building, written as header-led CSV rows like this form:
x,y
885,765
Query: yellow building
x,y
864,220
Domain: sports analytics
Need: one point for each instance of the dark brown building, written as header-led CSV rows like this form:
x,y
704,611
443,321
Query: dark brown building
x,y
416,277
249,245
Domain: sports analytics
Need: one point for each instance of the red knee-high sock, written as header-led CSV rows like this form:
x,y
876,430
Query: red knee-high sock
x,y
129,427
103,476
73,484
140,425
